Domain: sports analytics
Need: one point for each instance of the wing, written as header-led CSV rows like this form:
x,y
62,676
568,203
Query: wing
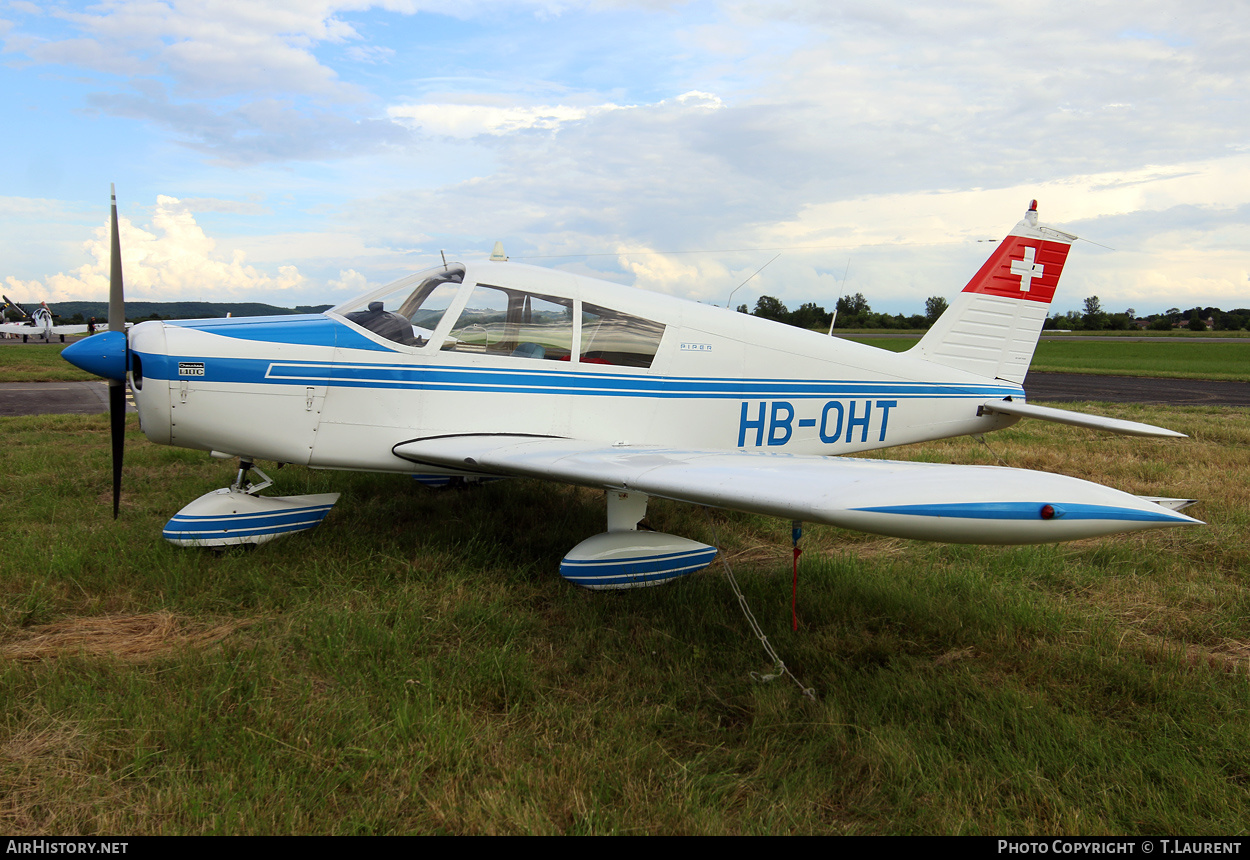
x,y
955,504
26,328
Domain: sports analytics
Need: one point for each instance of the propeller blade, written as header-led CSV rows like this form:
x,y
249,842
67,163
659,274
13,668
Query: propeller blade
x,y
9,303
117,428
117,387
117,306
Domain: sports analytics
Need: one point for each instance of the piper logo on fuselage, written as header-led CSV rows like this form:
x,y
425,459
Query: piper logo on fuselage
x,y
773,421
190,368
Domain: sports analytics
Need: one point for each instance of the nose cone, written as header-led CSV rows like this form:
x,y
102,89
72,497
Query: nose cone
x,y
103,354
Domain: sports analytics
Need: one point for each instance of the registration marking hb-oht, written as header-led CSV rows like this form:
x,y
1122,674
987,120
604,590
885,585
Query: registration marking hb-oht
x,y
777,417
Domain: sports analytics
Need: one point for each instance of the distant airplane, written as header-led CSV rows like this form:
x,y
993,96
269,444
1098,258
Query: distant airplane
x,y
497,369
39,323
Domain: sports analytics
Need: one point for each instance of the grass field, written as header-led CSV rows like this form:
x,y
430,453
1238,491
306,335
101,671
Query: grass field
x,y
416,664
38,362
1167,357
1174,334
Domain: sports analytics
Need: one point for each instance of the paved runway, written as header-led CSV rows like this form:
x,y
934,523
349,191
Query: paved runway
x,y
89,398
1069,387
55,398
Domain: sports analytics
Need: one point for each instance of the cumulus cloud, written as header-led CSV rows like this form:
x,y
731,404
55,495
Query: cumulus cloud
x,y
217,204
1074,201
239,80
371,54
464,120
210,48
265,130
643,172
471,120
349,282
690,278
173,260
898,133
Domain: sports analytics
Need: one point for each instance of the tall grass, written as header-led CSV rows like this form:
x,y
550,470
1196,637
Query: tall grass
x,y
416,664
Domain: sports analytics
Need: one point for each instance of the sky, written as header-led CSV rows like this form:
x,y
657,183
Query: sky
x,y
305,151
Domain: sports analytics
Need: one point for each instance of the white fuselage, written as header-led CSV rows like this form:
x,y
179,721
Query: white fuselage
x,y
322,391
43,321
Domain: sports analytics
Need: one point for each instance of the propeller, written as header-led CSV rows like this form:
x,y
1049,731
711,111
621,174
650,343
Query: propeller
x,y
117,323
9,303
107,354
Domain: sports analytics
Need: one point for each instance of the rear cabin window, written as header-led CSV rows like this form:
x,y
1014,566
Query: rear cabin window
x,y
521,324
496,321
611,337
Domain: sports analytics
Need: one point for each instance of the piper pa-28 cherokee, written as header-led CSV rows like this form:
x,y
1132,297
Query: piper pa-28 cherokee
x,y
499,369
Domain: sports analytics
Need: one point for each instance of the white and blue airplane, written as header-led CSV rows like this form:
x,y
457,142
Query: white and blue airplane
x,y
497,369
37,323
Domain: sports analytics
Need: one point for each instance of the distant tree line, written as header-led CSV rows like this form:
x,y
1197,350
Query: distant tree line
x,y
78,313
853,312
1095,318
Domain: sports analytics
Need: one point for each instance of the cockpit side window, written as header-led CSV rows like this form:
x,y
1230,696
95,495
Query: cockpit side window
x,y
499,321
409,315
612,337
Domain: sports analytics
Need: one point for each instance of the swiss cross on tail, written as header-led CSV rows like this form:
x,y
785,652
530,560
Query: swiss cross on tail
x,y
1023,266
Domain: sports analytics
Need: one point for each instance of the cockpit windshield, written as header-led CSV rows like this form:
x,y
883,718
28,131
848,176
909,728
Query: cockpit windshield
x,y
411,309
514,322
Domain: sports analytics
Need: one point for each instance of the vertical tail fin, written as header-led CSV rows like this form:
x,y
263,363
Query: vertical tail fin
x,y
992,327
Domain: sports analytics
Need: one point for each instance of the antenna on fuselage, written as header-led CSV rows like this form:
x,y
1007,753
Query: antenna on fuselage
x,y
744,283
497,255
834,318
444,256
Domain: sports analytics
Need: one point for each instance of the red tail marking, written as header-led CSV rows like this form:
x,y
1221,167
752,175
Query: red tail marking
x,y
1022,268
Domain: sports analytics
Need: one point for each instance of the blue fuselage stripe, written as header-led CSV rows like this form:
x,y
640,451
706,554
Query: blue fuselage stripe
x,y
493,380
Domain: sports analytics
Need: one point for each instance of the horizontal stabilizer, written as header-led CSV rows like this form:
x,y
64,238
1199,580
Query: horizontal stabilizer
x,y
1078,419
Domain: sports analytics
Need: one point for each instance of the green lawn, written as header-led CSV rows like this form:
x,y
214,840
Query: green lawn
x,y
37,362
1167,357
417,665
